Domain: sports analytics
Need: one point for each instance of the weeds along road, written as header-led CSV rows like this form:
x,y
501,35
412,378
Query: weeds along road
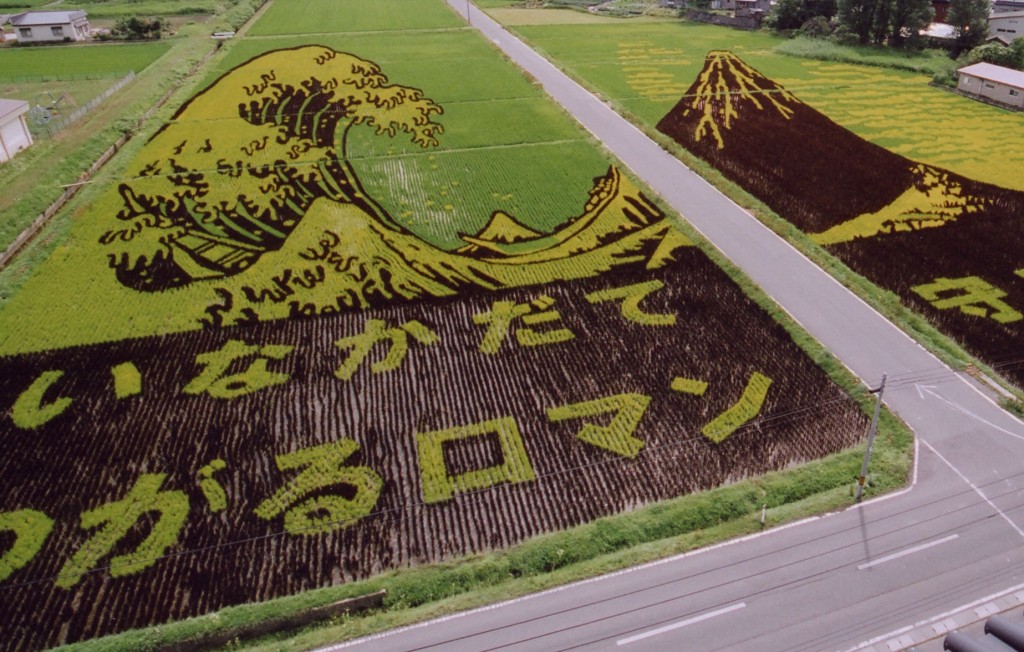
x,y
882,575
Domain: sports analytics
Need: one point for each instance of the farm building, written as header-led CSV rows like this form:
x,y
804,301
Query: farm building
x,y
752,7
939,34
51,26
995,83
745,7
1002,6
1007,26
14,134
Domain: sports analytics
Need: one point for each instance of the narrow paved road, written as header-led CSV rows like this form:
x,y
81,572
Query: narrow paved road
x,y
880,575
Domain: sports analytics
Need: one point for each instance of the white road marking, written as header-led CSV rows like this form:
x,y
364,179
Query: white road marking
x,y
976,489
682,623
908,551
968,412
677,558
946,615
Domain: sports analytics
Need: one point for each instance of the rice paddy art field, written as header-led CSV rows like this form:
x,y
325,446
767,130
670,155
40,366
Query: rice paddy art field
x,y
347,312
645,68
915,188
947,245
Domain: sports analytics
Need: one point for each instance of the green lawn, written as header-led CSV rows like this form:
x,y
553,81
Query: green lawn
x,y
78,61
44,93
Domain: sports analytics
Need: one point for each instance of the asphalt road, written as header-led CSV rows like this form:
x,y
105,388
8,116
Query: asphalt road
x,y
876,576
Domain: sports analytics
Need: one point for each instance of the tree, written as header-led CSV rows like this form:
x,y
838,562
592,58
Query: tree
x,y
969,19
858,16
240,164
896,22
909,17
880,21
817,27
137,29
792,14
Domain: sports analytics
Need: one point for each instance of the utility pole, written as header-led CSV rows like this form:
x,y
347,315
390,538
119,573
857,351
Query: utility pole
x,y
469,19
871,439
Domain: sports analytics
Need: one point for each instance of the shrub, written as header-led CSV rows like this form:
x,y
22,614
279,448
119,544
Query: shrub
x,y
998,54
137,29
817,27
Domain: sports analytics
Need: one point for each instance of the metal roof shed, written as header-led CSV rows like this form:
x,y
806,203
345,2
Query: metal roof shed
x,y
996,83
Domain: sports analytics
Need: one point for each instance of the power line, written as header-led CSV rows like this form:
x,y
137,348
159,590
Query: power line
x,y
690,577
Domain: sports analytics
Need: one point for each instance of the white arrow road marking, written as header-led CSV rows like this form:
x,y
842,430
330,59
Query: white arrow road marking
x,y
682,623
908,551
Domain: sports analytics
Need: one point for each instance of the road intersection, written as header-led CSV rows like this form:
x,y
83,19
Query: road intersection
x,y
882,575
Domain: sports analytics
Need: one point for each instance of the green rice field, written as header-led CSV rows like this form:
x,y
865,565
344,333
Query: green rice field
x,y
646,67
78,61
311,17
108,9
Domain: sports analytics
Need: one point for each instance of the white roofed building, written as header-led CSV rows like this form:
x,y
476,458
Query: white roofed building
x,y
51,26
992,82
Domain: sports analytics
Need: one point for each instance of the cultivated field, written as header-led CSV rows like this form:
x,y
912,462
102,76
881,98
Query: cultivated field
x,y
347,312
75,61
346,16
871,176
645,68
113,9
947,245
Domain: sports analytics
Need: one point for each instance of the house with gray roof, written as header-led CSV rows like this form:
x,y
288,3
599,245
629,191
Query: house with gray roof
x,y
993,83
51,26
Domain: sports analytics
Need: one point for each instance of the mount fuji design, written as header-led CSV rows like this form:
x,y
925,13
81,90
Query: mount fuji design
x,y
826,180
949,247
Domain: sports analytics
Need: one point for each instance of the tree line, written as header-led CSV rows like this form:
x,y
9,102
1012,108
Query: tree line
x,y
897,23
